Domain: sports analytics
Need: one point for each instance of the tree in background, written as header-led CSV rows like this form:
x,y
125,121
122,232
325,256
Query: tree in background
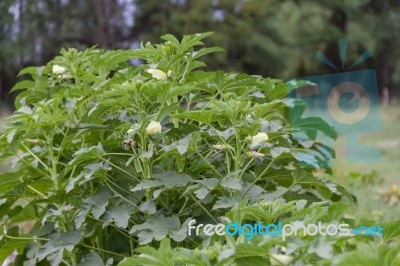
x,y
266,37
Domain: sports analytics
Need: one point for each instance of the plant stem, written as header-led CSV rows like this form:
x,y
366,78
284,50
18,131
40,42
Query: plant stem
x,y
212,167
37,158
119,168
204,209
102,250
238,159
255,181
26,238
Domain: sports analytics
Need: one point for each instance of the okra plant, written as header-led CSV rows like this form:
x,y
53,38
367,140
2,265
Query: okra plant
x,y
112,153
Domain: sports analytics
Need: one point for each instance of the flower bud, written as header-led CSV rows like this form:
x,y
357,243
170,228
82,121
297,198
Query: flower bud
x,y
131,143
59,70
130,131
220,147
157,74
259,139
33,141
65,76
153,128
276,259
255,154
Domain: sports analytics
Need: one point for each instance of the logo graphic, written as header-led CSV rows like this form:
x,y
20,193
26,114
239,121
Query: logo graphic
x,y
348,100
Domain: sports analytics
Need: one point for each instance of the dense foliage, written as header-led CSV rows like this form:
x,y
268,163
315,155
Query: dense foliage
x,y
266,37
111,161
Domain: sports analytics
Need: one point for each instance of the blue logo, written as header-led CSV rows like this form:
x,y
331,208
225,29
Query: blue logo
x,y
347,100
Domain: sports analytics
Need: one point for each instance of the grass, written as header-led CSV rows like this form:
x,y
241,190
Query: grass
x,y
374,184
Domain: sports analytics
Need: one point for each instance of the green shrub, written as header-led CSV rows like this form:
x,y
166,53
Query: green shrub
x,y
109,159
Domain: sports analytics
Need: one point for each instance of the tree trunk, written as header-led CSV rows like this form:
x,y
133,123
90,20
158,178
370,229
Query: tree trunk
x,y
102,8
21,31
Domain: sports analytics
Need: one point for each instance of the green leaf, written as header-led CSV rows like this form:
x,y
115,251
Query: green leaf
x,y
171,38
53,250
146,184
230,181
87,154
391,230
11,245
225,202
260,110
371,255
56,212
189,41
9,180
119,214
225,134
202,188
204,117
295,84
10,135
95,205
148,207
307,159
25,84
159,227
206,50
164,256
167,111
335,212
91,259
33,71
181,146
172,179
321,248
311,126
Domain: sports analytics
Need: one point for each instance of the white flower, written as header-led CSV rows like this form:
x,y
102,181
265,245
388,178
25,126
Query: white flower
x,y
169,73
276,259
259,139
153,128
59,70
157,74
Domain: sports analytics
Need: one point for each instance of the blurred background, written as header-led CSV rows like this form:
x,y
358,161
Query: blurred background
x,y
276,38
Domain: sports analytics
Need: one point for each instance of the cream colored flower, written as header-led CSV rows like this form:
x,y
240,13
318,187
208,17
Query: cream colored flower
x,y
157,74
255,154
169,73
276,259
130,131
59,70
153,128
259,139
